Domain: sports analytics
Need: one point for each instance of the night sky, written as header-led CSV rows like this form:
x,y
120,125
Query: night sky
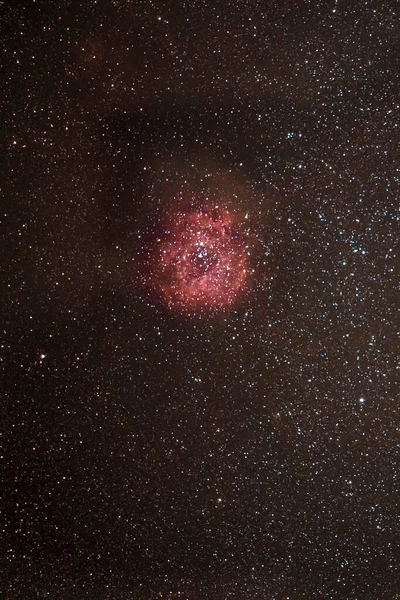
x,y
200,233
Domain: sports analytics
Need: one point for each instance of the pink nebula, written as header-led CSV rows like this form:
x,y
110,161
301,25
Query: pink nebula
x,y
201,261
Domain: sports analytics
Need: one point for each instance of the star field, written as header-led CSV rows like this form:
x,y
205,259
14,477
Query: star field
x,y
200,398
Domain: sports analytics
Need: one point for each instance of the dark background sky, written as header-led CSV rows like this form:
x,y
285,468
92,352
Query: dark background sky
x,y
252,455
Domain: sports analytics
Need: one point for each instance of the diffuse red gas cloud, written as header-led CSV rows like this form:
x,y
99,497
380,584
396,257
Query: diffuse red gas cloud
x,y
199,262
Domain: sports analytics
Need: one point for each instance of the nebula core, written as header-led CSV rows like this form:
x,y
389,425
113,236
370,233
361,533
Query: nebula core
x,y
200,261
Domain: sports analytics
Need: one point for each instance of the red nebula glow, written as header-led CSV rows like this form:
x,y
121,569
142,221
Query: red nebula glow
x,y
201,261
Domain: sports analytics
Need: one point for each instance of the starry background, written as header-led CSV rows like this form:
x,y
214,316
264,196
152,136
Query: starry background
x,y
252,455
